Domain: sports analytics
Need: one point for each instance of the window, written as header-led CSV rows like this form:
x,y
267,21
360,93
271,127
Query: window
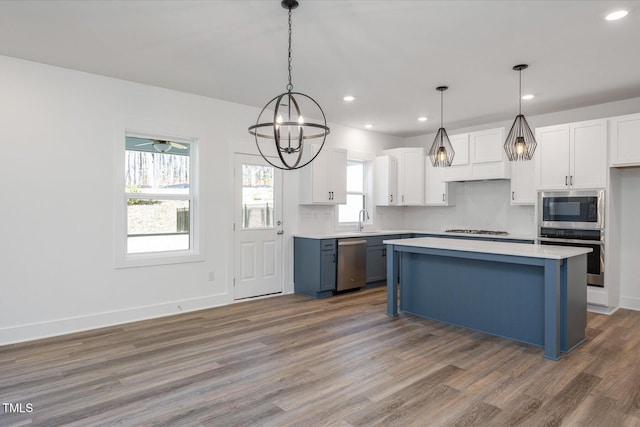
x,y
158,195
356,192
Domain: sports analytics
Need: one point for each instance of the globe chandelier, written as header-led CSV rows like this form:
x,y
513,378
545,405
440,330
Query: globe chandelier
x,y
281,130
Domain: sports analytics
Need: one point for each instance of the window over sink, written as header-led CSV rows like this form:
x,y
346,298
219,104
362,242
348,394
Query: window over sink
x,y
357,192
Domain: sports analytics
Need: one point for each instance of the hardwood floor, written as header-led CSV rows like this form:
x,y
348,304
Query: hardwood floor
x,y
294,361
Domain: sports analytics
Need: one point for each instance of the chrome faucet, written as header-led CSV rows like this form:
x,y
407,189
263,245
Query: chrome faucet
x,y
363,215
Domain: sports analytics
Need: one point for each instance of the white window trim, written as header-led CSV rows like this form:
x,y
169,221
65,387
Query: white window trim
x,y
194,135
368,160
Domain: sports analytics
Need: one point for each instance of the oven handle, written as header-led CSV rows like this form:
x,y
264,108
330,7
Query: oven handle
x,y
576,241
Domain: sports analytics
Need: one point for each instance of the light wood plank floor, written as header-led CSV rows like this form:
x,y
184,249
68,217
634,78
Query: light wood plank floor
x,y
293,361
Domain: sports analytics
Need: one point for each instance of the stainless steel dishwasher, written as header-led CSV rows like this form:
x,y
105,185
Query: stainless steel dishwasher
x,y
352,257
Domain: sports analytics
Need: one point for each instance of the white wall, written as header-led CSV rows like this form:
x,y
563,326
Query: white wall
x,y
57,218
629,238
480,205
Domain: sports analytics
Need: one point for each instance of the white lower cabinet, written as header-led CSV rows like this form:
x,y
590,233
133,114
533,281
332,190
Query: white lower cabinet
x,y
624,134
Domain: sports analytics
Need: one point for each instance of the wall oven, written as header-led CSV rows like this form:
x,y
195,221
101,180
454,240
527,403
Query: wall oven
x,y
571,209
575,218
593,239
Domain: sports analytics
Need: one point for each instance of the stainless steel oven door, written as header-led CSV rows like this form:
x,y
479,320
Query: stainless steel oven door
x,y
571,209
595,259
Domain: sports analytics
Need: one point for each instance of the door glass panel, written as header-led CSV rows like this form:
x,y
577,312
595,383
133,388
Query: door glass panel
x,y
257,196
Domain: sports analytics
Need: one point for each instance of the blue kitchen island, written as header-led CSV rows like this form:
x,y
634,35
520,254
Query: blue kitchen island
x,y
536,294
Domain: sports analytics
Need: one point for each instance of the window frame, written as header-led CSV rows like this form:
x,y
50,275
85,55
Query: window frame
x,y
156,130
367,191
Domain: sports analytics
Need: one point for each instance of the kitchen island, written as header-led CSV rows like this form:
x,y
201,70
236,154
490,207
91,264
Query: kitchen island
x,y
529,293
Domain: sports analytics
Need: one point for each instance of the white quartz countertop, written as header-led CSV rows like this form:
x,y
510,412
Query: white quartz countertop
x,y
489,247
366,233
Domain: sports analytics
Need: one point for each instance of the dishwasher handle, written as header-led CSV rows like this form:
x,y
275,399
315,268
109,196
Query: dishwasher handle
x,y
351,242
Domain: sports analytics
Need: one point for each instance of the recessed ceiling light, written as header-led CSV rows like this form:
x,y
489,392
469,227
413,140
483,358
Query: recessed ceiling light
x,y
368,126
528,97
618,14
422,119
349,98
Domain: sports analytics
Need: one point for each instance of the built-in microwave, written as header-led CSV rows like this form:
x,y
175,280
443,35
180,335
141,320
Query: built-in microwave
x,y
571,209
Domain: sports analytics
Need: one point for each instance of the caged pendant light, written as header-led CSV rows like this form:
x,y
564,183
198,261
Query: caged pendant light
x,y
441,152
280,139
520,143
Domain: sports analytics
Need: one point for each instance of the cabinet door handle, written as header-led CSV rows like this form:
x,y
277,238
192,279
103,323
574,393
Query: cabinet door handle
x,y
566,180
391,196
403,198
443,197
513,195
571,180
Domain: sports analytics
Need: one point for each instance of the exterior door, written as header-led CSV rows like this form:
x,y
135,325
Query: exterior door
x,y
258,228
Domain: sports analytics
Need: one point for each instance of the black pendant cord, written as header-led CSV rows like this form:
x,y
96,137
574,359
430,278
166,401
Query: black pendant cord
x,y
290,85
520,93
441,109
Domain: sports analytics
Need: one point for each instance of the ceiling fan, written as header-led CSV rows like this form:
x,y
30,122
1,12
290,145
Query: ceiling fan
x,y
163,146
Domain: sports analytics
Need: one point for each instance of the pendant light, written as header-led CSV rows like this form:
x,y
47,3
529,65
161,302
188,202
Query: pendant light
x,y
281,130
441,152
520,143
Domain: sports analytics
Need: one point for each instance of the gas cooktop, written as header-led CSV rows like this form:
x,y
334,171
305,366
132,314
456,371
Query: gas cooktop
x,y
489,232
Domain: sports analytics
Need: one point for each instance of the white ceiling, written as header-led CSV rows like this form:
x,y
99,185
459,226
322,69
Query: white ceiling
x,y
390,55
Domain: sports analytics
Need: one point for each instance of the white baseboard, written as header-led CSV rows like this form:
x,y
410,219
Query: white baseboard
x,y
630,303
33,331
601,309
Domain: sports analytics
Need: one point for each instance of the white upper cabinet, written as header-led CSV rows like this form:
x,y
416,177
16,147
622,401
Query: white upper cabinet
x,y
410,175
523,189
324,181
572,156
552,157
624,143
386,171
460,168
478,156
437,191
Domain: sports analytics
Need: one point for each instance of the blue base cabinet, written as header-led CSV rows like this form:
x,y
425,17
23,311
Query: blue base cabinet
x,y
314,267
377,259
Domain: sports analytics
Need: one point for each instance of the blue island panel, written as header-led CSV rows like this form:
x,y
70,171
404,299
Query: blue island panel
x,y
499,298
